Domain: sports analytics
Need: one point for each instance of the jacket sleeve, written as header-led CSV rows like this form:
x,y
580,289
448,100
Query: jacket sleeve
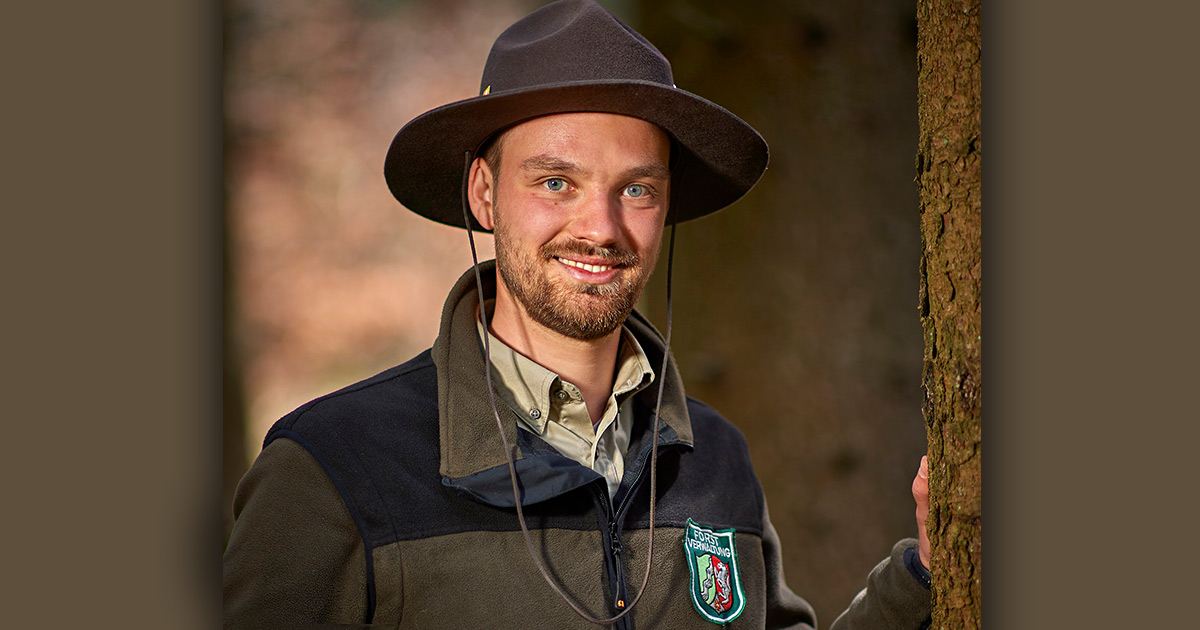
x,y
785,609
294,555
897,595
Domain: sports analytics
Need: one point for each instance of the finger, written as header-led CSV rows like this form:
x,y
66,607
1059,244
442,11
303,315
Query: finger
x,y
920,490
920,487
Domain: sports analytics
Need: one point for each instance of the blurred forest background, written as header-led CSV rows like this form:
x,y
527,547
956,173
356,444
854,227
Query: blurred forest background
x,y
795,309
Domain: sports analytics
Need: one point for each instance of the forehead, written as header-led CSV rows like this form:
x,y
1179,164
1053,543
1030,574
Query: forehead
x,y
587,135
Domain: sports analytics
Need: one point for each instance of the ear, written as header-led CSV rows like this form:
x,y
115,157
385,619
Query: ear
x,y
481,190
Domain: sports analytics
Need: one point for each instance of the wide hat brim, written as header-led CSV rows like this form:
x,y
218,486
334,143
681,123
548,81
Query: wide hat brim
x,y
719,157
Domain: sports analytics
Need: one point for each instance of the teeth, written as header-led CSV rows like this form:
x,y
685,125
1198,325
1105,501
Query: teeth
x,y
585,267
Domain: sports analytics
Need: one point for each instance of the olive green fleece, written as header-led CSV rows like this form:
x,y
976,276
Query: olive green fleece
x,y
264,590
892,598
296,555
310,565
506,591
500,588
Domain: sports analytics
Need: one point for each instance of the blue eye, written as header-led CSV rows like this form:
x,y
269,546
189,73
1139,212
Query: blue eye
x,y
554,184
635,190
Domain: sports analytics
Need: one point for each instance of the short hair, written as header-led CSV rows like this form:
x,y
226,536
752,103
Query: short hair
x,y
491,149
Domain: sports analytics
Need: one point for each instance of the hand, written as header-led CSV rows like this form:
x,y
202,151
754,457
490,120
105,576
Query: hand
x,y
920,490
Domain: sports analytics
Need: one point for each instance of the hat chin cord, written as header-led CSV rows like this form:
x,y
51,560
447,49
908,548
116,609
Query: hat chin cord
x,y
508,457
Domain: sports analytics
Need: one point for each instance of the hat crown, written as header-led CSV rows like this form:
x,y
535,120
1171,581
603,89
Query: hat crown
x,y
573,56
571,40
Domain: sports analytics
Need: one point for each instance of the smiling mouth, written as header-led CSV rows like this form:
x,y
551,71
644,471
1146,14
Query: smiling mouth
x,y
584,266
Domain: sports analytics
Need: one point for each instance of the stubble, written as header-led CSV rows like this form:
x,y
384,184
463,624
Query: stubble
x,y
574,309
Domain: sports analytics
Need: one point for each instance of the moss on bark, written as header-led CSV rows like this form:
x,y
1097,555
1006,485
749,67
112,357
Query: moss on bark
x,y
949,162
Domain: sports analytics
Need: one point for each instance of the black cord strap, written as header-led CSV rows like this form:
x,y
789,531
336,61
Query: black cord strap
x,y
508,456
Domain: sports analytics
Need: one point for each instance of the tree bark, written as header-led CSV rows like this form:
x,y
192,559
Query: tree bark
x,y
949,161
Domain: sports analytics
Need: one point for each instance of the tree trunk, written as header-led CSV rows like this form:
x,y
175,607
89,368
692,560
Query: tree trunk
x,y
949,163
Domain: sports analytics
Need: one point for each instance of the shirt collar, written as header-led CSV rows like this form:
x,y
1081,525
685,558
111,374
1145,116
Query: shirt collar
x,y
526,386
467,431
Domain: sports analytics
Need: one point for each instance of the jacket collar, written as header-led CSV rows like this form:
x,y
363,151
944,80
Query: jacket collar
x,y
471,453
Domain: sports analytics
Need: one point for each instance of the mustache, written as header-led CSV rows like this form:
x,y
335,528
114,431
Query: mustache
x,y
611,255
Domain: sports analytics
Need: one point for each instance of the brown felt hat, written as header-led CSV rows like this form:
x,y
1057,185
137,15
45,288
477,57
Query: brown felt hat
x,y
574,56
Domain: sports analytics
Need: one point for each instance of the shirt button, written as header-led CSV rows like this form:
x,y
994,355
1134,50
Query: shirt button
x,y
562,395
535,414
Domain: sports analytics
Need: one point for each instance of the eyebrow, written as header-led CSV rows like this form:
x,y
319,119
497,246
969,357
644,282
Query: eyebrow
x,y
649,171
549,164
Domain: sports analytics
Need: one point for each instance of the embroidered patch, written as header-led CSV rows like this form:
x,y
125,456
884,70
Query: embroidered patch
x,y
716,585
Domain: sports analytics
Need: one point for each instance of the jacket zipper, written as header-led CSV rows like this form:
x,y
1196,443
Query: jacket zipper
x,y
612,554
614,535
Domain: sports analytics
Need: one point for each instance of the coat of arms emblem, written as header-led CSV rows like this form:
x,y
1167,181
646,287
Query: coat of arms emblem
x,y
716,587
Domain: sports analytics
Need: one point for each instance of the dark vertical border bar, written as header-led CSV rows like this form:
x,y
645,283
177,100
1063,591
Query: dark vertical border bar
x,y
111,314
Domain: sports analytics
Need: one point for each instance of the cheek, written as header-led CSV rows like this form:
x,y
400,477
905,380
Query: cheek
x,y
535,220
647,234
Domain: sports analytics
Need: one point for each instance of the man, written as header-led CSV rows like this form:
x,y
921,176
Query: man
x,y
506,477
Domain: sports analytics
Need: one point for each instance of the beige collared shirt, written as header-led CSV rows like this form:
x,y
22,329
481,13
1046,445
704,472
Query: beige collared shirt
x,y
554,409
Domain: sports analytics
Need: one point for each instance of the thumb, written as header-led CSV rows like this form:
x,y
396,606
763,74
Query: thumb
x,y
920,491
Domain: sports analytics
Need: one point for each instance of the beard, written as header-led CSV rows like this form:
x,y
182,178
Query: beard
x,y
574,309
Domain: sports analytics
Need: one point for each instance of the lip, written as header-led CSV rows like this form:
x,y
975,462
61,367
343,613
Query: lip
x,y
602,276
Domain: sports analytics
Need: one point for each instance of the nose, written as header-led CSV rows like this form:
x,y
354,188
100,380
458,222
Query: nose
x,y
598,219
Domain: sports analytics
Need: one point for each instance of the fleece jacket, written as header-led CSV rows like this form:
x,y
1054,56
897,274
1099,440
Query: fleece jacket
x,y
389,503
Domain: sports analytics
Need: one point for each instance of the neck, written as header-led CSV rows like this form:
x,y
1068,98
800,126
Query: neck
x,y
587,364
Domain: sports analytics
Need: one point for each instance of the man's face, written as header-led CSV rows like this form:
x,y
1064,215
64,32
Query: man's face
x,y
579,205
